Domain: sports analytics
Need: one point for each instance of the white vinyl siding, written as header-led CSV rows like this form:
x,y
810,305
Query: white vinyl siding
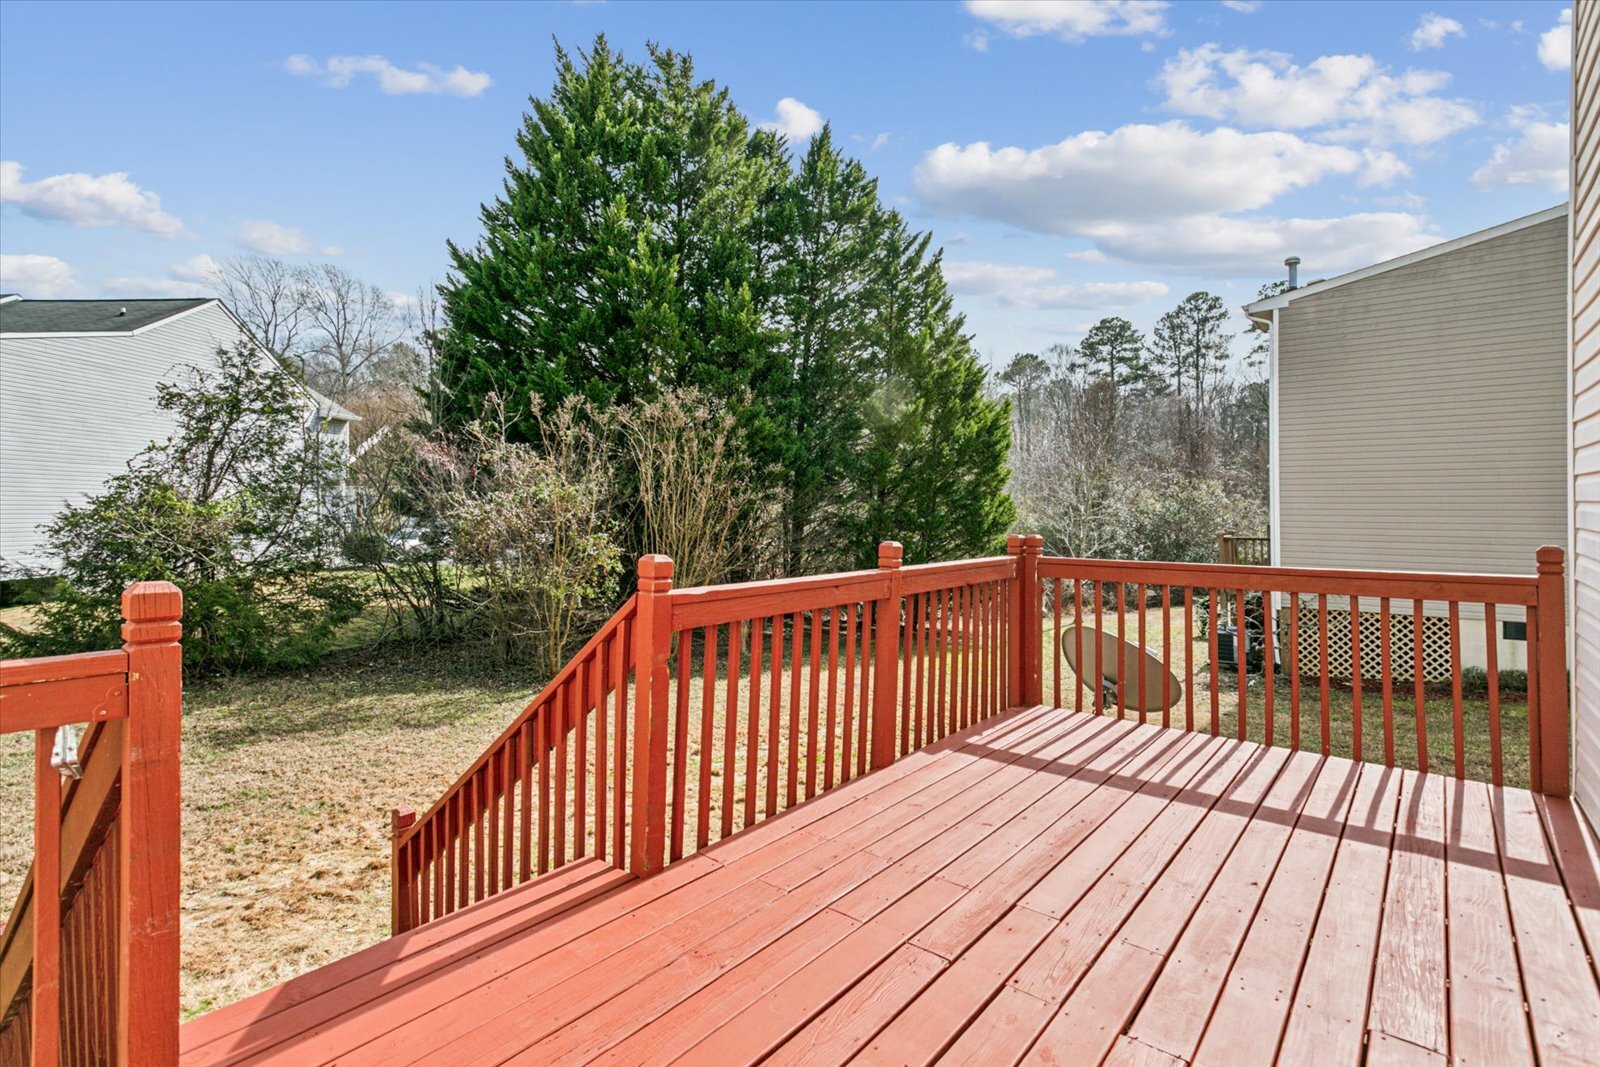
x,y
75,408
1422,410
1586,410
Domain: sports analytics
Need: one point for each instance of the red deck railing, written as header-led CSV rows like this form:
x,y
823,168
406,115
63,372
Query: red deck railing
x,y
89,954
695,713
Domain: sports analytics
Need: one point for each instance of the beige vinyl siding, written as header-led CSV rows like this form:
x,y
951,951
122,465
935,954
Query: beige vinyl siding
x,y
1586,409
1422,412
75,408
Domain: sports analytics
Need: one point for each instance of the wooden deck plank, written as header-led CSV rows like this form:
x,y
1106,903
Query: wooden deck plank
x,y
791,1004
1408,986
383,1030
1174,1014
1250,1013
1558,982
1115,874
508,1031
1328,1016
1094,1015
1047,885
834,1035
1489,1026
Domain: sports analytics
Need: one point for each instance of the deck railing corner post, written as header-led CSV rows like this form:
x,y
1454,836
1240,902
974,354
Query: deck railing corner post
x,y
885,658
150,828
652,638
401,903
1553,774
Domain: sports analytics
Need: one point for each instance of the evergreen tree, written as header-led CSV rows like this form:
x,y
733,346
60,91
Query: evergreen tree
x,y
832,237
1113,352
1190,347
933,472
621,254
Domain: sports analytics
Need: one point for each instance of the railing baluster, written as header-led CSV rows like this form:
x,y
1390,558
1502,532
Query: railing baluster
x,y
1386,673
796,635
846,743
1294,670
680,739
1077,645
831,640
622,654
1143,702
492,838
1188,657
774,714
864,701
1212,618
752,738
602,663
563,724
1419,684
525,758
1055,640
905,647
1324,681
544,742
1166,655
730,740
1355,676
1122,645
708,725
1241,653
509,774
1458,729
1269,679
813,699
1491,646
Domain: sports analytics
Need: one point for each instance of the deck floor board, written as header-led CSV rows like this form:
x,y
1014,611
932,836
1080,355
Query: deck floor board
x,y
1048,886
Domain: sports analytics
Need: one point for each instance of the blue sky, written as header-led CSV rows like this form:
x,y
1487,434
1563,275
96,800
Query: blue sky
x,y
1074,159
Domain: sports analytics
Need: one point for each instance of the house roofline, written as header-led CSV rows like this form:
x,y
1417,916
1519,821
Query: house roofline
x,y
1259,311
164,320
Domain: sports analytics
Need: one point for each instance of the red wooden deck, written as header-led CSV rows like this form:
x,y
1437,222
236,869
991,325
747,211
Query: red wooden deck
x,y
1050,887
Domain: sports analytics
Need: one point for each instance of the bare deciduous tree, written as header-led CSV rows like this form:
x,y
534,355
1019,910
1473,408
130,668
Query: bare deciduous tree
x,y
269,297
353,324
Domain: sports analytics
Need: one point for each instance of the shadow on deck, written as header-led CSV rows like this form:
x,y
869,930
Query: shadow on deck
x,y
1048,886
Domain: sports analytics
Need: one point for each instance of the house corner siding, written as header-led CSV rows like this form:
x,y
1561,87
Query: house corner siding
x,y
1585,392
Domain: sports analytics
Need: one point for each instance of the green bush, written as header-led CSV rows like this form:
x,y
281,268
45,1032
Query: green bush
x,y
236,508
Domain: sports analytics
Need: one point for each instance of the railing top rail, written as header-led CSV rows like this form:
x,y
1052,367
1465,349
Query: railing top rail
x,y
1487,588
562,677
62,668
710,605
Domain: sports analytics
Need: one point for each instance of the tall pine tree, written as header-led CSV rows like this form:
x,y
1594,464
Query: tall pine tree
x,y
933,472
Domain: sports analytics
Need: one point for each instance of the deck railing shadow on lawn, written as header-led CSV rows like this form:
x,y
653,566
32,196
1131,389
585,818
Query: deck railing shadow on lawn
x,y
696,713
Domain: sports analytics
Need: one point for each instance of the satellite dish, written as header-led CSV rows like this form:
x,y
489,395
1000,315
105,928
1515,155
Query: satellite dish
x,y
1102,663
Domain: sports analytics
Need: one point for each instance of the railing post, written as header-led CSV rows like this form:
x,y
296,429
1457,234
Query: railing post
x,y
1017,643
150,828
1032,691
886,658
1552,776
401,904
652,644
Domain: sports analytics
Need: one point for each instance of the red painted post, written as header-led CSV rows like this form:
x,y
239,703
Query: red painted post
x,y
885,659
401,905
1553,776
652,645
1032,691
150,827
46,995
1017,642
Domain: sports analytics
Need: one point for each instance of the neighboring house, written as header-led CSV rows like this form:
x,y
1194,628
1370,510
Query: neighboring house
x,y
78,399
1419,423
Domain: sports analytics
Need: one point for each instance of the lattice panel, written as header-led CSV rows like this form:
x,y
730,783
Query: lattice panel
x,y
1435,644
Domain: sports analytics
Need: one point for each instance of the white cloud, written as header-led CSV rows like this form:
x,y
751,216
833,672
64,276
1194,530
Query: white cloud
x,y
1088,255
87,200
1139,173
1433,31
976,278
1537,156
195,276
796,122
39,277
1244,7
977,40
1072,20
1017,285
1344,97
1221,247
337,72
271,239
1555,44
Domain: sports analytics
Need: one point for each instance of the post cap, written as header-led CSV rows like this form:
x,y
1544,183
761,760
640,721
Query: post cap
x,y
1014,544
152,613
655,566
890,553
1550,557
1034,543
